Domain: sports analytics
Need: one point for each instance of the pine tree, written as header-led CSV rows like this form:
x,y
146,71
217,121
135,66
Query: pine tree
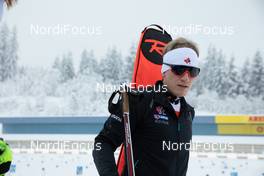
x,y
67,68
245,75
209,68
214,72
4,47
57,63
256,82
198,85
129,64
8,53
12,54
220,76
232,79
111,66
88,63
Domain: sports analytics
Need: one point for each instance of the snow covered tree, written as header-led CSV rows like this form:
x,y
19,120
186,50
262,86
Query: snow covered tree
x,y
215,72
245,75
111,66
221,76
8,53
256,82
209,68
198,85
12,54
129,64
4,33
73,103
67,68
88,63
57,63
232,80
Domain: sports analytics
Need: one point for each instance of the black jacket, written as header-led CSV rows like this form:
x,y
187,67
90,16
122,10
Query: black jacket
x,y
157,135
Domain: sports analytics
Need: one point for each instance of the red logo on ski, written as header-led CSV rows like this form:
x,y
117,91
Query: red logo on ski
x,y
156,46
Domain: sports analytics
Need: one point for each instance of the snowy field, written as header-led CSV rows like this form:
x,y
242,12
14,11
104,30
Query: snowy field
x,y
244,161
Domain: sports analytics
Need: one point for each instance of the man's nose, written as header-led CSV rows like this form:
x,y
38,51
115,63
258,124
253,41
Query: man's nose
x,y
185,76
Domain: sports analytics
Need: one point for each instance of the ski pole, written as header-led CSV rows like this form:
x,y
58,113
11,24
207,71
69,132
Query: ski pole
x,y
128,139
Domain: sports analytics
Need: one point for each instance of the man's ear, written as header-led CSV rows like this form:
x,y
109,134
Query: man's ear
x,y
164,74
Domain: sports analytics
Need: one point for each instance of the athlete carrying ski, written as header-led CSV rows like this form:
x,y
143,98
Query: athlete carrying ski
x,y
160,120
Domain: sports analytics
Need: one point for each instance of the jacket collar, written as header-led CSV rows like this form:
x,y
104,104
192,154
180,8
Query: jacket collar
x,y
163,97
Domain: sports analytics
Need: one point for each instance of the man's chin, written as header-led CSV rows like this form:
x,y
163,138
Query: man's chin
x,y
177,91
179,94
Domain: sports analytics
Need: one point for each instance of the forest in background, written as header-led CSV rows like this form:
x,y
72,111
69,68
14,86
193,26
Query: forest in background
x,y
61,89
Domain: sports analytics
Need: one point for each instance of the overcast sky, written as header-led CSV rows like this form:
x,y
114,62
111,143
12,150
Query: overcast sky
x,y
236,27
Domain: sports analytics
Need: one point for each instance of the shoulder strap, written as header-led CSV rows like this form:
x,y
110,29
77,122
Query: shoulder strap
x,y
111,105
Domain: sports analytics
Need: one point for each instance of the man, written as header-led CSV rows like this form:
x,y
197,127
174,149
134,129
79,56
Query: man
x,y
161,120
5,157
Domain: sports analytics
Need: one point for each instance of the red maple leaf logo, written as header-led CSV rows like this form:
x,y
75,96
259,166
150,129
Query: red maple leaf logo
x,y
187,60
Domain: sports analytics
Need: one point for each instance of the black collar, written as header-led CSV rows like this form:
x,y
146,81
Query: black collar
x,y
165,97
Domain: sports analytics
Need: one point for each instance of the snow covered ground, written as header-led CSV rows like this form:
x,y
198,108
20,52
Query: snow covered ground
x,y
70,162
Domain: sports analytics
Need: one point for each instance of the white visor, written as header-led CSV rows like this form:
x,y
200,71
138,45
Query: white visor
x,y
180,56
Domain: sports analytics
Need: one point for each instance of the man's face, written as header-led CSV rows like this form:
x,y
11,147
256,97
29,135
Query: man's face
x,y
178,85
